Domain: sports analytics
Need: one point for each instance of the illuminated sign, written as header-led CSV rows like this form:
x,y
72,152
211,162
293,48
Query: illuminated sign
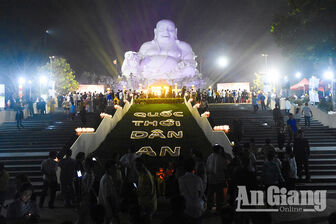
x,y
170,120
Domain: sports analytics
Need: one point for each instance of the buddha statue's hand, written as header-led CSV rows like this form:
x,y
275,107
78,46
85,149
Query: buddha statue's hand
x,y
131,64
186,63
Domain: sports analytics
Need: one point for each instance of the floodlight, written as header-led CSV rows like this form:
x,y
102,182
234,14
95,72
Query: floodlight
x,y
22,80
298,75
43,79
328,75
222,62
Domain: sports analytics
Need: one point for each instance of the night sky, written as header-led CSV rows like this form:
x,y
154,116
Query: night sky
x,y
90,34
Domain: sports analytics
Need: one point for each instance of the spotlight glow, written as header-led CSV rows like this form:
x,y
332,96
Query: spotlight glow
x,y
43,79
22,80
222,62
274,75
298,75
328,75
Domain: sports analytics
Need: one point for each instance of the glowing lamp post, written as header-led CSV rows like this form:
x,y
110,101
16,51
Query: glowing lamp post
x,y
30,82
266,62
43,80
273,77
22,81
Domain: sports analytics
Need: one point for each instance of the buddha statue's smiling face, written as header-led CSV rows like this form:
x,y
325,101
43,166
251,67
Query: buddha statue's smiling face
x,y
165,31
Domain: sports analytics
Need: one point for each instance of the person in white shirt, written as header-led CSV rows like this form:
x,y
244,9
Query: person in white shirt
x,y
287,106
307,113
75,98
215,167
239,96
191,188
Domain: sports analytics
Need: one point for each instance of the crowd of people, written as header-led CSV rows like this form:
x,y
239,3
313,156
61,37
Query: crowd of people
x,y
228,96
80,103
125,187
104,191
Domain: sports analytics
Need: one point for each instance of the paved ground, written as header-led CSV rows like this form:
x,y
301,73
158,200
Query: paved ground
x,y
60,214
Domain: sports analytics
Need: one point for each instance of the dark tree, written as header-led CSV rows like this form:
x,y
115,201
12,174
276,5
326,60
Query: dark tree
x,y
308,31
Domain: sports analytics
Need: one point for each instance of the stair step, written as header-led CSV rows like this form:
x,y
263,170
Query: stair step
x,y
322,161
20,161
22,154
29,166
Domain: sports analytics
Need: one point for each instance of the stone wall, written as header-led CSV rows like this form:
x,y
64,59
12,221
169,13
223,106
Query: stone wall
x,y
9,115
89,142
214,137
326,119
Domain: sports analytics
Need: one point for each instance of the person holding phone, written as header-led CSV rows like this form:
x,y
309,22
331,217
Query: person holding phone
x,y
23,209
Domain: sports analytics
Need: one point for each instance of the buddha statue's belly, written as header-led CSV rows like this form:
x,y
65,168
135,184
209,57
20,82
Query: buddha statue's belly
x,y
158,65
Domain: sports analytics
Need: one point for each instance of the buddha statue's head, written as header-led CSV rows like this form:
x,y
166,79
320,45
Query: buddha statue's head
x,y
165,31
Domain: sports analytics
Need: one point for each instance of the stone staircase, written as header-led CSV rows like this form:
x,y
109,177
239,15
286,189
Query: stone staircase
x,y
260,125
23,150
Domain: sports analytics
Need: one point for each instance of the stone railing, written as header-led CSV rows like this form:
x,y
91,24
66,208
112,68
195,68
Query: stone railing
x,y
214,137
326,119
10,115
89,142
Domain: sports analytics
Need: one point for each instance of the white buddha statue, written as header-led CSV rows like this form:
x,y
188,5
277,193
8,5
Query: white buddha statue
x,y
164,58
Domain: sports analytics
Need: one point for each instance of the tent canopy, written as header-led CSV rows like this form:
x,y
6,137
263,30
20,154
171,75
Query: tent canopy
x,y
302,85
